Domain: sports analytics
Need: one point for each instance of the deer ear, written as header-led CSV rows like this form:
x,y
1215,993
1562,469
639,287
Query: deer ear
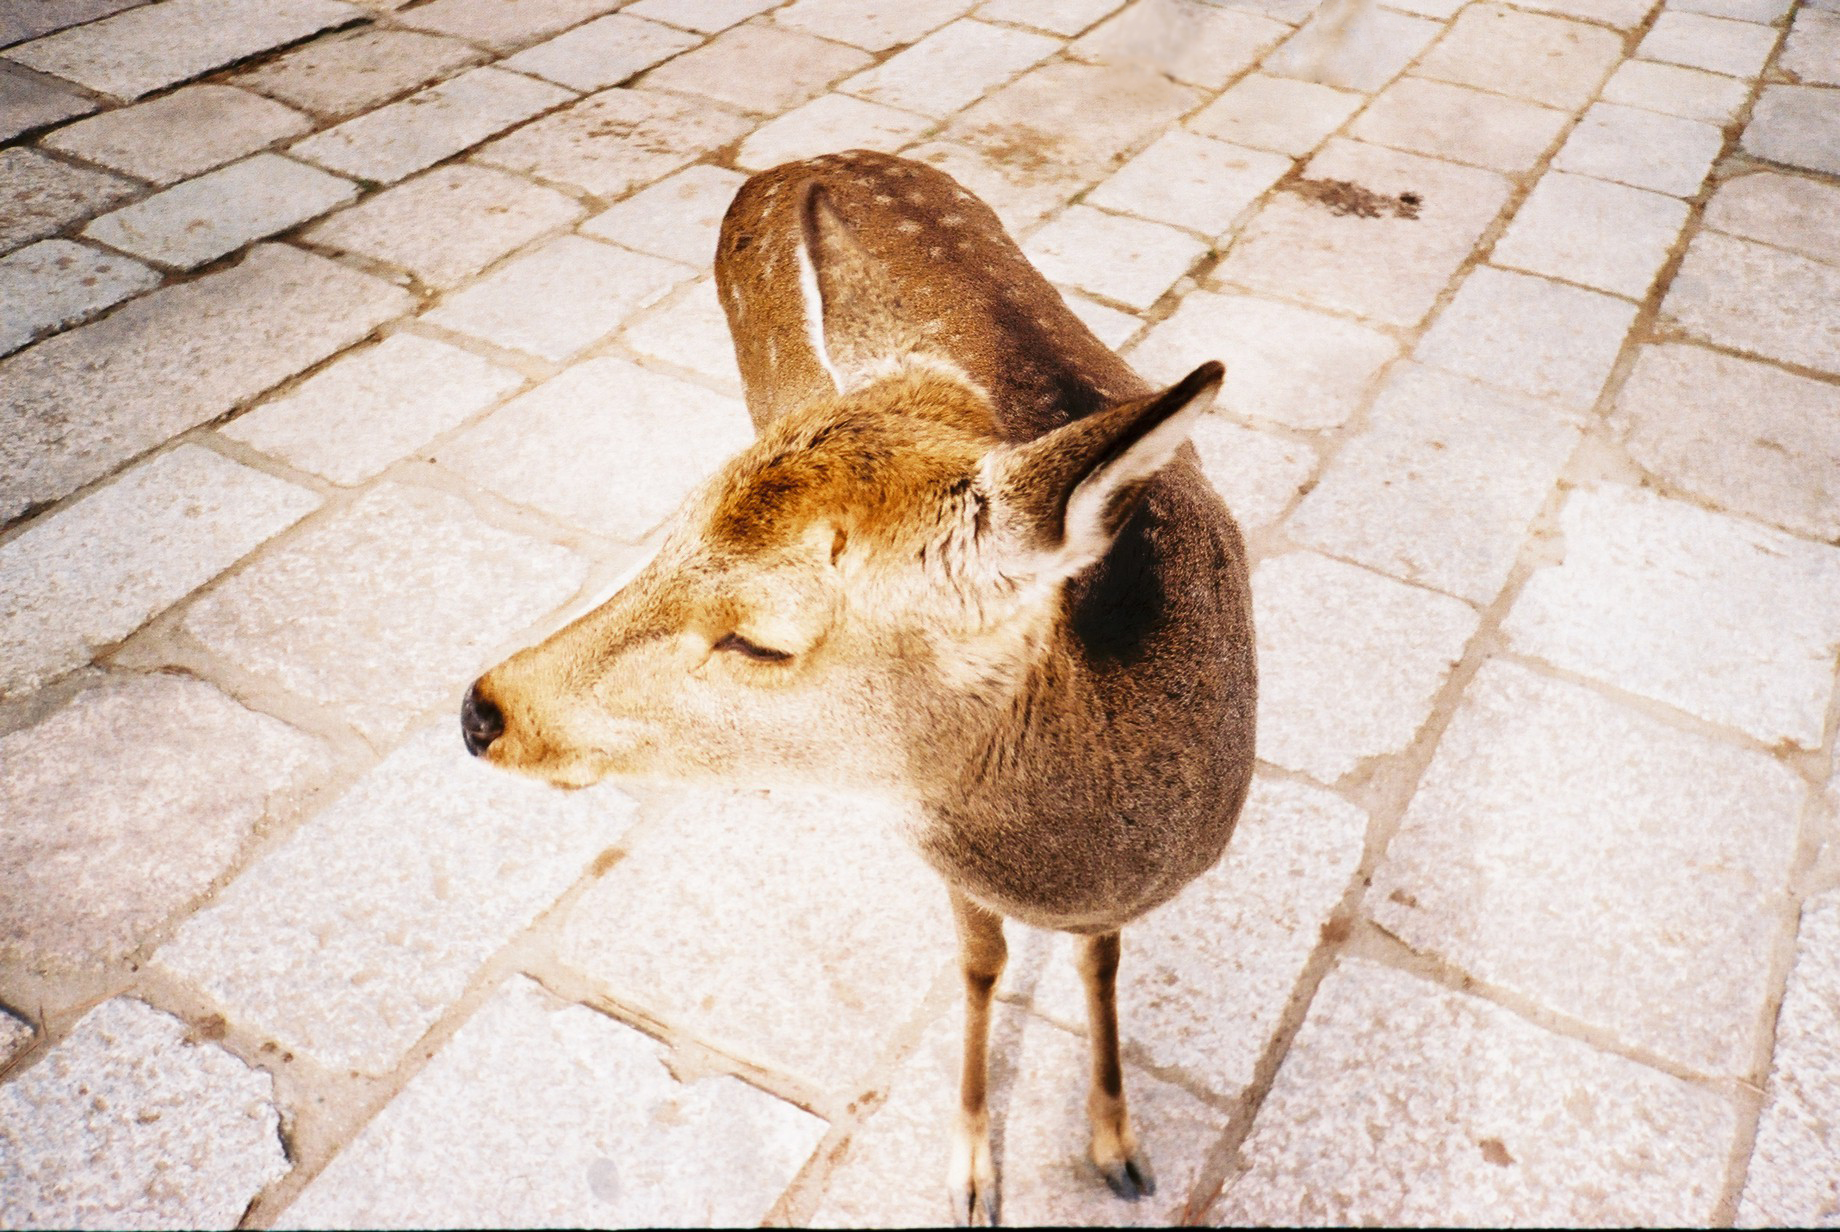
x,y
852,314
1066,495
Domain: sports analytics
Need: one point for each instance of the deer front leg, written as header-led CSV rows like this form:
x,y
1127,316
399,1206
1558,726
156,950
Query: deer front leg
x,y
1114,1146
971,1176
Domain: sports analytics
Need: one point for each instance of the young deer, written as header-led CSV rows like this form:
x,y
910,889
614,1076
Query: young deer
x,y
970,559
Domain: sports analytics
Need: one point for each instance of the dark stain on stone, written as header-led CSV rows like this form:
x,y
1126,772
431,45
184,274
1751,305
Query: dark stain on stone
x,y
1402,898
1344,197
1496,1152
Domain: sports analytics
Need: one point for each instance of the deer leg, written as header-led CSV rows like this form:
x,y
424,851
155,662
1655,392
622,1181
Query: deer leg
x,y
1114,1146
971,1177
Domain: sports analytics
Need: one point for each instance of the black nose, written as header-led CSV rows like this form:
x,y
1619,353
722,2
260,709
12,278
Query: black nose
x,y
481,722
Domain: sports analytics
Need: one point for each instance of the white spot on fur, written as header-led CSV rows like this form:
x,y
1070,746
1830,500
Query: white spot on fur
x,y
814,316
908,226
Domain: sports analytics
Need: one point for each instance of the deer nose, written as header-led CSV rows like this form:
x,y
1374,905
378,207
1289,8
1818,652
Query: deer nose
x,y
481,722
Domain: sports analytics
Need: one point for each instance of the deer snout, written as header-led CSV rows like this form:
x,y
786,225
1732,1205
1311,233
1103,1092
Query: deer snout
x,y
481,721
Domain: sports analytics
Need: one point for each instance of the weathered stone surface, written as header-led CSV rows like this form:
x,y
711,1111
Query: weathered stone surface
x,y
1113,328
1124,259
560,298
1467,126
602,53
1789,211
1441,486
1559,63
951,68
678,217
811,933
1386,263
137,52
707,16
1799,125
76,406
31,100
1733,622
172,1132
54,283
27,19
1604,235
91,574
1749,436
345,74
1764,12
728,68
1403,1103
1349,661
1191,181
1258,474
690,331
873,25
178,135
1276,113
125,806
1614,890
1785,310
449,223
1285,365
614,141
372,407
503,24
15,1038
1020,193
827,124
545,1112
1684,92
1200,44
352,939
1064,17
1644,149
1735,48
1812,53
1359,49
40,196
385,608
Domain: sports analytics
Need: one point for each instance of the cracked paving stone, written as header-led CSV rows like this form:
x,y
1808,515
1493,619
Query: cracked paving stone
x,y
40,196
179,135
54,283
31,100
343,74
1798,125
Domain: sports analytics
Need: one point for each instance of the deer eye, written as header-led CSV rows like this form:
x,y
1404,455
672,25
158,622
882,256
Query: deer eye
x,y
760,654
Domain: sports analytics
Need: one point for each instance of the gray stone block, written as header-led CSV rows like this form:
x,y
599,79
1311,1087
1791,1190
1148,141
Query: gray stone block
x,y
178,135
54,283
41,196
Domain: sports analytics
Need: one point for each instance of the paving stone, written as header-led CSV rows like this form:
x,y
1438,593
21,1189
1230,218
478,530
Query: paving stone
x,y
143,49
893,1171
607,446
92,574
542,1111
1812,53
428,126
1612,889
560,298
1124,259
1443,10
449,223
727,68
1276,113
1191,181
1798,125
1285,365
1349,661
873,25
708,16
345,74
374,406
1749,436
76,406
1258,474
1641,148
691,332
1200,44
386,607
31,100
1530,335
1545,59
504,24
220,211
27,19
1441,486
604,52
1021,192
1684,92
352,939
1112,327
678,217
1730,621
171,1131
802,946
1735,48
1764,12
1603,235
833,122
15,1038
951,68
1789,211
41,196
54,283
125,805
612,142
1468,126
178,135
1361,48
1785,312
1063,17
1307,244
1623,14
1794,1166
1205,980
1403,1103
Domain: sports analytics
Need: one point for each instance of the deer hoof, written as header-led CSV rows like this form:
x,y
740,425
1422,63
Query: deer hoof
x,y
971,1178
1129,1176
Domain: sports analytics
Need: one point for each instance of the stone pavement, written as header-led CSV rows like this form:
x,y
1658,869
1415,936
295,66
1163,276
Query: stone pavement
x,y
351,344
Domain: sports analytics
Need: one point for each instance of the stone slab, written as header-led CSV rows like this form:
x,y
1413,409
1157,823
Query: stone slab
x,y
1198,44
1356,49
612,142
1021,192
1735,48
78,405
41,196
677,218
1191,181
1258,474
1812,52
1798,125
1063,17
125,806
1112,327
27,19
704,16
31,100
1764,12
539,1111
827,124
1614,890
1785,311
1733,622
1124,259
54,283
91,574
372,407
602,53
1607,236
504,24
1789,211
873,25
179,135
386,607
1464,125
690,331
727,68
173,1132
1544,59
1276,113
1673,90
1403,1103
16,1037
1643,149
951,68
344,74
1349,661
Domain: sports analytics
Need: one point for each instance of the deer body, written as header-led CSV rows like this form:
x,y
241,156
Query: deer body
x,y
970,559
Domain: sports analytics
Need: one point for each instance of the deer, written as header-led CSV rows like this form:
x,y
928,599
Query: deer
x,y
969,560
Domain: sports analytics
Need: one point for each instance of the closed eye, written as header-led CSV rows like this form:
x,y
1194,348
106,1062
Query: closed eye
x,y
760,654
